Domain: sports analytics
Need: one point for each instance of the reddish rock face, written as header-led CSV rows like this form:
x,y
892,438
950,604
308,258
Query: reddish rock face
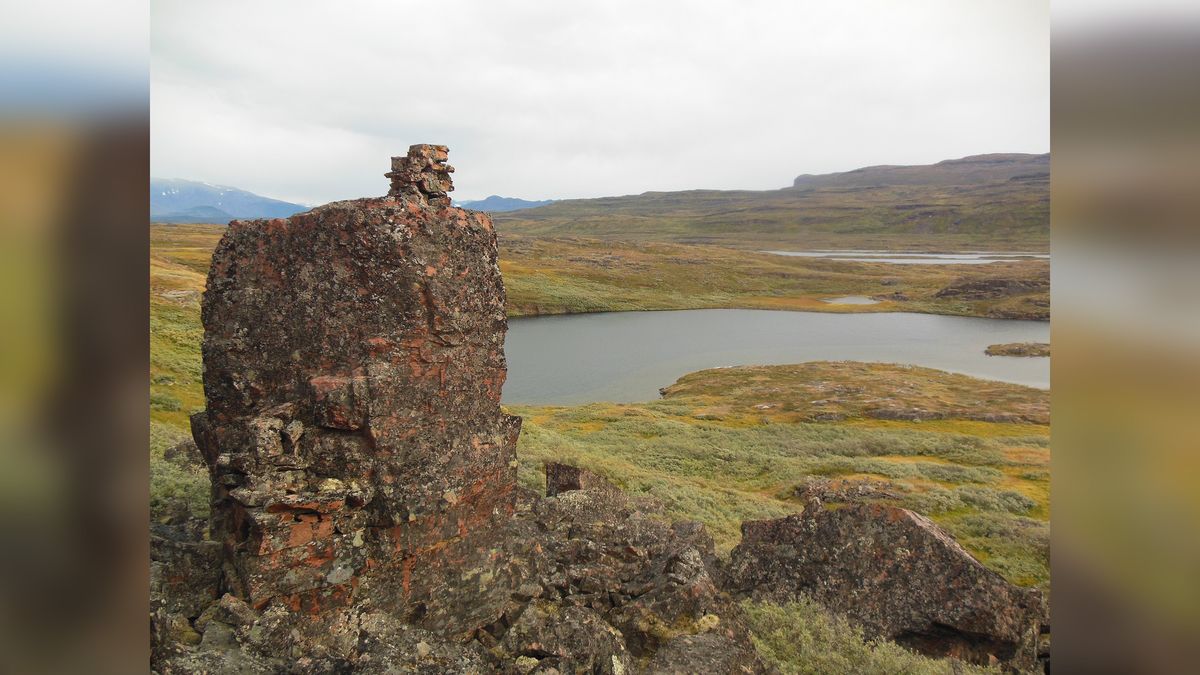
x,y
353,362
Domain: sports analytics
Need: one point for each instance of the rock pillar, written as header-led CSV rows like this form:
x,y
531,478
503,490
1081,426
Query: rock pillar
x,y
353,362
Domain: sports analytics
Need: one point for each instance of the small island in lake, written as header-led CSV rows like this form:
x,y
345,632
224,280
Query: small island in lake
x,y
1019,349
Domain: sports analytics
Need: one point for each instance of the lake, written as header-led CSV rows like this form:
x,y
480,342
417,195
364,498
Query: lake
x,y
904,258
628,356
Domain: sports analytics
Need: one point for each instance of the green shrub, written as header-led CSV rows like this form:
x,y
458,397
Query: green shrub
x,y
989,499
164,402
802,638
170,482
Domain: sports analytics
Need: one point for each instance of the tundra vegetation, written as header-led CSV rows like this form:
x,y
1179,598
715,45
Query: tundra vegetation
x,y
726,445
1019,349
991,202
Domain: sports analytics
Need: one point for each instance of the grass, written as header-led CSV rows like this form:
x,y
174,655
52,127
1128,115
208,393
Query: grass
x,y
711,454
564,276
802,638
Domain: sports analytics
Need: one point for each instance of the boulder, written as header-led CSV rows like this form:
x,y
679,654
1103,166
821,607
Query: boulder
x,y
895,573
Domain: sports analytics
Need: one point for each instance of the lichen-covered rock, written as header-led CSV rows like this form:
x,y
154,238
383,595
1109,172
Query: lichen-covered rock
x,y
185,570
357,640
894,572
586,581
703,653
423,175
564,477
651,580
353,361
569,638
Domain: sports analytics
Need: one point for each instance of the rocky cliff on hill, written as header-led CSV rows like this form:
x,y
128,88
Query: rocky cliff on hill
x,y
365,514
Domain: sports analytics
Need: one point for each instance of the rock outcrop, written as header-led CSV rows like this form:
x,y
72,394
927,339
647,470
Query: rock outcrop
x,y
353,361
365,515
897,574
588,580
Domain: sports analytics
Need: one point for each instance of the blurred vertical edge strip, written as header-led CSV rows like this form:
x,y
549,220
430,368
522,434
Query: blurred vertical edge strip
x,y
1126,366
74,176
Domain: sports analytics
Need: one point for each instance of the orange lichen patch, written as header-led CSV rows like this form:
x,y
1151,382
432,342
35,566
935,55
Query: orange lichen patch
x,y
310,528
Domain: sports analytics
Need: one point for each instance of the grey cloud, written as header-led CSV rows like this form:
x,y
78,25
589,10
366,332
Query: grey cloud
x,y
305,101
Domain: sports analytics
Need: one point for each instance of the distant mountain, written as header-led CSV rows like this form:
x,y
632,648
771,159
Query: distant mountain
x,y
973,170
186,201
496,203
999,202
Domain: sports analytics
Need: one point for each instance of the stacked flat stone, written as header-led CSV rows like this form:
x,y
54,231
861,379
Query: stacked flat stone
x,y
422,175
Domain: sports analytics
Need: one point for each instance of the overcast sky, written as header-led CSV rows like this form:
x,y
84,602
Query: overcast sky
x,y
305,101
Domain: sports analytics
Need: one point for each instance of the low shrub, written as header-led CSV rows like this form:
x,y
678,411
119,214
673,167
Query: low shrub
x,y
802,638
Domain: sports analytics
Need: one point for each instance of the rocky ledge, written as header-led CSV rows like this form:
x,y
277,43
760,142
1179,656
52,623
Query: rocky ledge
x,y
586,580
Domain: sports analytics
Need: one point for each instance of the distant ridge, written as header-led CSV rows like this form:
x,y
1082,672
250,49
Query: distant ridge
x,y
496,203
187,201
997,202
972,170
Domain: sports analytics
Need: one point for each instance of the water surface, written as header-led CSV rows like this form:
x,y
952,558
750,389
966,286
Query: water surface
x,y
628,356
902,258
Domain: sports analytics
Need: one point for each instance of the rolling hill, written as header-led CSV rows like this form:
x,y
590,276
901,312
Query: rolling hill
x,y
973,170
186,201
993,202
